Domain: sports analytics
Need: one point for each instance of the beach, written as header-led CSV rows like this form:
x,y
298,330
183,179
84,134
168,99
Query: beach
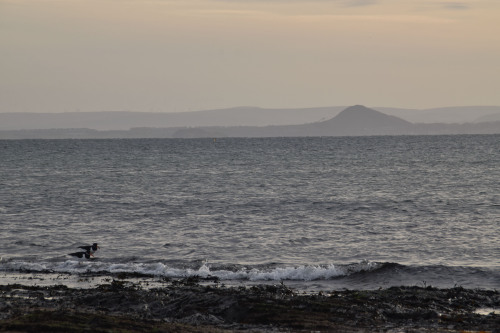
x,y
121,304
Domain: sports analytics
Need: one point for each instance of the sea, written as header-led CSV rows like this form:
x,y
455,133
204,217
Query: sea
x,y
313,213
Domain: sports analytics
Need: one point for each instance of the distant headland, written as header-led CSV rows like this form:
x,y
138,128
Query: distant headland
x,y
355,120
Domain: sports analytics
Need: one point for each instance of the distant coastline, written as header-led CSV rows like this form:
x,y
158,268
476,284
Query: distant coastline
x,y
351,121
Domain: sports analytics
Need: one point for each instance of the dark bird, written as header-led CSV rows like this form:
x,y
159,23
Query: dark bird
x,y
90,248
82,254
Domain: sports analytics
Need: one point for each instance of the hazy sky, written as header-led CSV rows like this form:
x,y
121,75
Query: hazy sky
x,y
182,55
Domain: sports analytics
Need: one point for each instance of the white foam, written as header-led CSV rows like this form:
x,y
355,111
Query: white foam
x,y
304,273
298,273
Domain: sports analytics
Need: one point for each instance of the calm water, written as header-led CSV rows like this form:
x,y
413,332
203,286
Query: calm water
x,y
336,212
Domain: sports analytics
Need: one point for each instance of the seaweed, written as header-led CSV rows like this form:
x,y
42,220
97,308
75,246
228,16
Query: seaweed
x,y
190,305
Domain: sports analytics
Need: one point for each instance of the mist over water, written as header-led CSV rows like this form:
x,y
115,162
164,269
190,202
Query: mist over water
x,y
353,211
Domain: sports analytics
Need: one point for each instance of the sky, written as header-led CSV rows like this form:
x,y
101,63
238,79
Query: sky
x,y
188,55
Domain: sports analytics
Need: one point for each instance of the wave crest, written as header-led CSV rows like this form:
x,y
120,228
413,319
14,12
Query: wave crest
x,y
206,270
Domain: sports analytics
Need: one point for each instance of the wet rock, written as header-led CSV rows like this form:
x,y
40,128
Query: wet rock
x,y
263,308
201,319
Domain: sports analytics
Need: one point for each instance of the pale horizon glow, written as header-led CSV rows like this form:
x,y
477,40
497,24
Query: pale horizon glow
x,y
187,55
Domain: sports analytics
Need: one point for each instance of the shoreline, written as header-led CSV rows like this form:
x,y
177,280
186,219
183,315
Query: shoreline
x,y
198,305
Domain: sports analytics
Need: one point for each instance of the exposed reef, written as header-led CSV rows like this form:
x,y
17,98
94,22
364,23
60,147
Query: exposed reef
x,y
188,306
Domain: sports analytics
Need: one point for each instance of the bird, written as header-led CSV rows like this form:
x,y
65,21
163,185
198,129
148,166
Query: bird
x,y
90,248
82,254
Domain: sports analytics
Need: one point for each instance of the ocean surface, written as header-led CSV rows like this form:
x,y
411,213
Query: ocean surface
x,y
313,213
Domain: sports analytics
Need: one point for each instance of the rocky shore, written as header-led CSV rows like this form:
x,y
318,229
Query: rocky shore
x,y
190,306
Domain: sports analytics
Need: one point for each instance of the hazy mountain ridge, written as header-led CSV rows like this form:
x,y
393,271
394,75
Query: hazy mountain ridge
x,y
447,115
353,121
239,116
124,120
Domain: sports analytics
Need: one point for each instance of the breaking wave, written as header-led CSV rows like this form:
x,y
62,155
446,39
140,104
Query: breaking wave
x,y
361,275
206,270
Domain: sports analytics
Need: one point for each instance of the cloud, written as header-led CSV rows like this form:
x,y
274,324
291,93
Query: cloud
x,y
359,3
455,5
348,3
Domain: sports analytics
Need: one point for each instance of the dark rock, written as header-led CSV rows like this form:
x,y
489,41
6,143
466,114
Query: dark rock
x,y
187,306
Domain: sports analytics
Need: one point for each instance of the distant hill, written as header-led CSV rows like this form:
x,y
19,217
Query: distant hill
x,y
356,120
360,120
447,115
353,121
239,116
